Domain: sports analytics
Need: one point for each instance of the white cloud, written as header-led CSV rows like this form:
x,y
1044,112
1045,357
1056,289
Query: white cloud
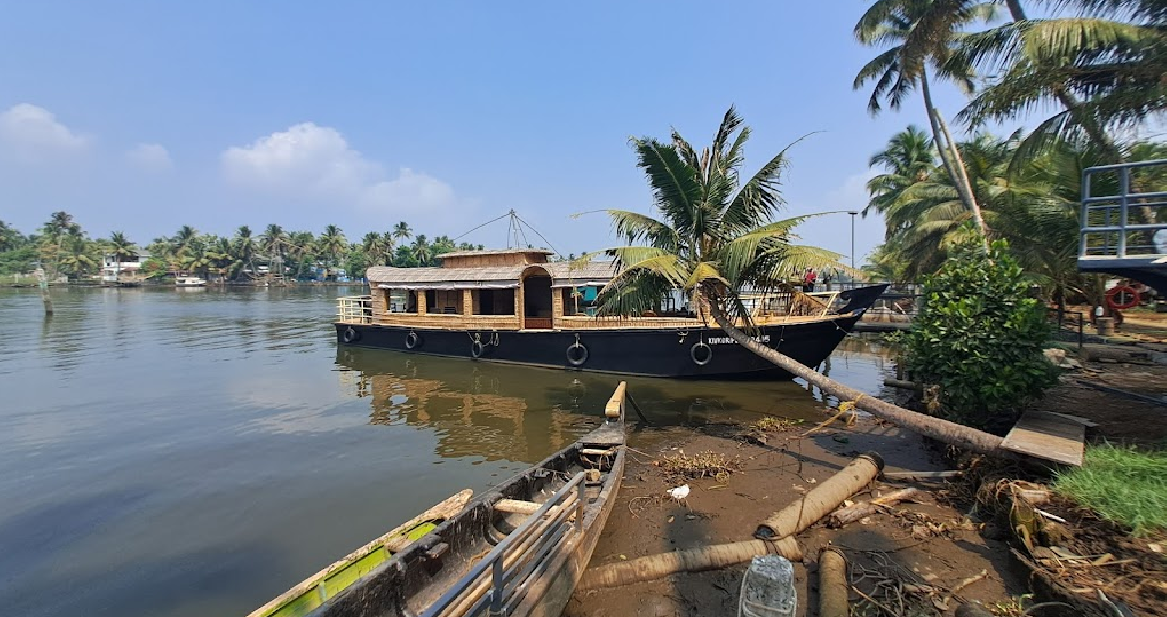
x,y
31,133
150,157
317,162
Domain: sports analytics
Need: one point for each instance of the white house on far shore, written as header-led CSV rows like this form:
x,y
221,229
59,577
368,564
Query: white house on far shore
x,y
130,265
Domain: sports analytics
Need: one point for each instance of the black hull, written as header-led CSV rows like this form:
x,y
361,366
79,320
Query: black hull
x,y
645,352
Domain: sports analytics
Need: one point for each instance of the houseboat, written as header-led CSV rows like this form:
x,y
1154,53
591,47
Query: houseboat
x,y
516,306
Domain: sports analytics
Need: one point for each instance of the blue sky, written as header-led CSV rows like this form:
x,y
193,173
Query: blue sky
x,y
144,116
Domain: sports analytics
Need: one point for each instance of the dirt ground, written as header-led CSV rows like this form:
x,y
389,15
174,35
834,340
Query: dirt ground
x,y
935,546
911,558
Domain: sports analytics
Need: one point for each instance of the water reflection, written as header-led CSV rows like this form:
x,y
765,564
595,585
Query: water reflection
x,y
495,412
506,412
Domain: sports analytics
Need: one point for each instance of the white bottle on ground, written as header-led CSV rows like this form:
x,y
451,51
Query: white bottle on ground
x,y
768,588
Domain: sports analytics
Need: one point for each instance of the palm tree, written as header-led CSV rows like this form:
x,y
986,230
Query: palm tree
x,y
274,242
10,238
78,258
197,258
301,245
422,251
59,225
717,236
388,244
924,33
908,158
120,247
222,255
402,231
1103,68
332,244
373,249
182,239
245,248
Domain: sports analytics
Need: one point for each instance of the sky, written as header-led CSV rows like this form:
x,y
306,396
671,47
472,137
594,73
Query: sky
x,y
146,116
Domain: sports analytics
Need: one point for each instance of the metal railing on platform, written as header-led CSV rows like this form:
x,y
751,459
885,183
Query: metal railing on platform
x,y
354,309
1110,231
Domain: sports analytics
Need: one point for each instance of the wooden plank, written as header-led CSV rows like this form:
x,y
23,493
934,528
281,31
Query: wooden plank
x,y
1048,436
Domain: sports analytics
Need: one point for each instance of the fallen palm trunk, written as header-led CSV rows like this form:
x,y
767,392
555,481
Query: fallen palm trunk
x,y
936,428
692,560
832,584
823,499
850,514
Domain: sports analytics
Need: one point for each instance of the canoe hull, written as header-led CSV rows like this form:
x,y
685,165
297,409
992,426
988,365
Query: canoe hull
x,y
542,552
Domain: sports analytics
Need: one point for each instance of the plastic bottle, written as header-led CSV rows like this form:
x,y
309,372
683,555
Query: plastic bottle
x,y
768,588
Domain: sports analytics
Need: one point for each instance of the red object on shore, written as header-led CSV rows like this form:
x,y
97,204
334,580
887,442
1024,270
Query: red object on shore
x,y
1122,297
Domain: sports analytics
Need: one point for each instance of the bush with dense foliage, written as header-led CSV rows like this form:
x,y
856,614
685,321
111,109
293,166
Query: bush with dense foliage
x,y
979,336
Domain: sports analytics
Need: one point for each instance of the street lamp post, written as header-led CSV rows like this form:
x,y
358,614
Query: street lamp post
x,y
853,240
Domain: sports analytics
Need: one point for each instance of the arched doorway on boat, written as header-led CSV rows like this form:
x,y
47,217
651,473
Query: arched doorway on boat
x,y
536,299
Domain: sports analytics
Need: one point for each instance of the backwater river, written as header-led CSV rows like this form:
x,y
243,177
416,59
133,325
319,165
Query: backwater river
x,y
182,453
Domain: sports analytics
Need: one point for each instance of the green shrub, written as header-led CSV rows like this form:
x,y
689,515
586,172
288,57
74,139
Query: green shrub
x,y
979,336
1124,485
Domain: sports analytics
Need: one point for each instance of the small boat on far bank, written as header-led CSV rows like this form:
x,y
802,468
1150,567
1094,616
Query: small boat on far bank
x,y
189,281
517,550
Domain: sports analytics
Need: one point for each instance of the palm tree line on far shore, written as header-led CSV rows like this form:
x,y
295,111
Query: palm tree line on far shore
x,y
63,247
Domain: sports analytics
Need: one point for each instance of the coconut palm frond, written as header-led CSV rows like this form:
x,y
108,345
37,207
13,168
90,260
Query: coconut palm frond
x,y
634,227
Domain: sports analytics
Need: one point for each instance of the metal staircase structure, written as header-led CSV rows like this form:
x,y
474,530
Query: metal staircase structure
x,y
1124,221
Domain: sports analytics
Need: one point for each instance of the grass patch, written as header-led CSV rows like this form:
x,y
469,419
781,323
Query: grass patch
x,y
1122,484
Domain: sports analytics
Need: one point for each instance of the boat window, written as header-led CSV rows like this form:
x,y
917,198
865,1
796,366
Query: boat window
x,y
444,301
494,301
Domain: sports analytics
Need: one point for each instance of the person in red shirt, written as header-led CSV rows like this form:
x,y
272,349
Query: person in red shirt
x,y
808,280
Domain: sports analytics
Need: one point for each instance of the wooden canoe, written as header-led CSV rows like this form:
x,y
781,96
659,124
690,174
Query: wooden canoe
x,y
313,591
517,550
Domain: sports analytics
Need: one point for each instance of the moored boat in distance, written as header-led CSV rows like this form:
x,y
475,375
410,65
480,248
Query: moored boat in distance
x,y
516,306
517,550
189,281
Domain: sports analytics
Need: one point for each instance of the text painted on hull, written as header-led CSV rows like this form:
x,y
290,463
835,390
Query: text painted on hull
x,y
725,340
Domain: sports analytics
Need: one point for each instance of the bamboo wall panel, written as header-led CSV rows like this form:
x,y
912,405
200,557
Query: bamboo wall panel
x,y
451,322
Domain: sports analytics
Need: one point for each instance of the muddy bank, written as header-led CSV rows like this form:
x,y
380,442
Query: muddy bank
x,y
934,547
921,558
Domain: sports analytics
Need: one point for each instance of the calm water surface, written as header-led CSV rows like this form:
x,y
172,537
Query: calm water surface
x,y
181,453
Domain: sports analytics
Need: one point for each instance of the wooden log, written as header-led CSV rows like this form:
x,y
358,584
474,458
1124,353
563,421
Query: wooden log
x,y
902,384
516,506
692,560
852,513
922,475
832,583
823,499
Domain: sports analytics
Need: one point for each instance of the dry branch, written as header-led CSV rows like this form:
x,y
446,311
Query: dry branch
x,y
852,513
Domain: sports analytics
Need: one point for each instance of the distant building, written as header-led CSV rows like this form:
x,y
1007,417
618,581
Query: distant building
x,y
131,265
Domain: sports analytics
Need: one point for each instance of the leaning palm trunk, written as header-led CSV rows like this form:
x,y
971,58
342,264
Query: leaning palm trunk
x,y
951,160
936,428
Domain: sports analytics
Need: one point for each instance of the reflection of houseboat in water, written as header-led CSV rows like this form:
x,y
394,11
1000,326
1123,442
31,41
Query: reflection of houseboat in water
x,y
489,416
515,306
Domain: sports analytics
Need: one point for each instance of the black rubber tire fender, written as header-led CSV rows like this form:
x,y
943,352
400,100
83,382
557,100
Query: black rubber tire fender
x,y
577,354
708,353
